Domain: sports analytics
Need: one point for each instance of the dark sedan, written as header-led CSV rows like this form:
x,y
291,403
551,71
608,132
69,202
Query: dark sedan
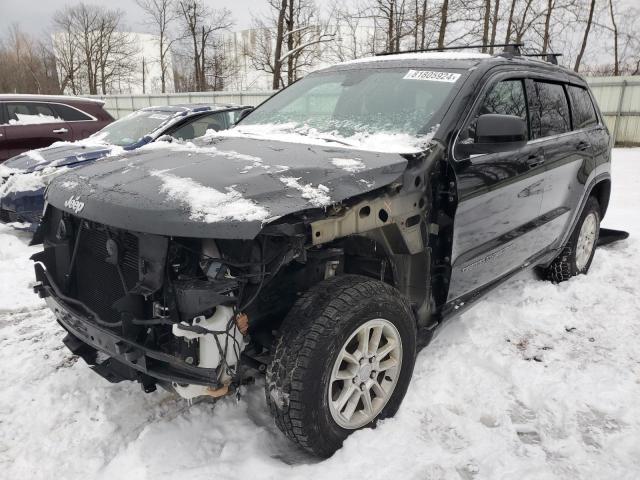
x,y
23,178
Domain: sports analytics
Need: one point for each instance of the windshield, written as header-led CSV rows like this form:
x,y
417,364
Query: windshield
x,y
133,127
370,101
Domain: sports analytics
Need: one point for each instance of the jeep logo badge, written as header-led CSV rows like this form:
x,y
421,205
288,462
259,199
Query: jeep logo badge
x,y
74,203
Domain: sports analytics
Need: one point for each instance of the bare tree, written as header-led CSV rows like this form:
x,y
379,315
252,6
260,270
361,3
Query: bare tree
x,y
288,40
485,23
161,14
27,64
494,24
547,25
444,14
92,50
587,28
390,17
616,57
200,25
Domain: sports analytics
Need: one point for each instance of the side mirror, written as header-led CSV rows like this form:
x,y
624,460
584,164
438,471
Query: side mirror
x,y
243,115
496,133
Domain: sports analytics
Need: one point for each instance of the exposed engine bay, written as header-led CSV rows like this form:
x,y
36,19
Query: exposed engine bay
x,y
179,312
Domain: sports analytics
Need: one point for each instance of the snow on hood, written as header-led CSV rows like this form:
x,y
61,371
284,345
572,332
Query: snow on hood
x,y
62,153
207,204
385,142
204,189
29,182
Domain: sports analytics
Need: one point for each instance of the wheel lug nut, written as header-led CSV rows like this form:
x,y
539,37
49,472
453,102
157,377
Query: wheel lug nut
x,y
374,374
362,386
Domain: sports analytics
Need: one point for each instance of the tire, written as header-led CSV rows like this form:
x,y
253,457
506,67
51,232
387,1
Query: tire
x,y
573,260
313,335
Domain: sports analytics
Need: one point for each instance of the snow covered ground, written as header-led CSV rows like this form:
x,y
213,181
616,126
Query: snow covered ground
x,y
537,381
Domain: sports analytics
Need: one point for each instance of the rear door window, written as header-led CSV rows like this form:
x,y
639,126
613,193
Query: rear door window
x,y
70,114
582,109
550,111
30,113
198,127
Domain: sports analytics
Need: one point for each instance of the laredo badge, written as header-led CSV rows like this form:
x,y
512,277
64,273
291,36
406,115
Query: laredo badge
x,y
74,203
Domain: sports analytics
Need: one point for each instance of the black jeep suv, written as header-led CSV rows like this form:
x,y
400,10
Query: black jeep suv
x,y
324,238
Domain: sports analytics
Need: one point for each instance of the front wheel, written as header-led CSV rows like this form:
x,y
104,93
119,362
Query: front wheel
x,y
577,255
343,360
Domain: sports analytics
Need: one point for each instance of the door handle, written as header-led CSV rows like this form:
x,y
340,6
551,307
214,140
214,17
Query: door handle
x,y
60,130
582,146
534,161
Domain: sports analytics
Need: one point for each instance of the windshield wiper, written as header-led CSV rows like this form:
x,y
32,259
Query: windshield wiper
x,y
331,139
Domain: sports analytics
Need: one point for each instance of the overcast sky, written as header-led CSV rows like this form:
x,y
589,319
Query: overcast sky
x,y
34,16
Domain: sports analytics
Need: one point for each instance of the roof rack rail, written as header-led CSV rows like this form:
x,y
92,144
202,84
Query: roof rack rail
x,y
513,48
548,57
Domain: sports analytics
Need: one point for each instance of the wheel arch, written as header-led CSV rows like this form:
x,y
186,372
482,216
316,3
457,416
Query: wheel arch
x,y
602,192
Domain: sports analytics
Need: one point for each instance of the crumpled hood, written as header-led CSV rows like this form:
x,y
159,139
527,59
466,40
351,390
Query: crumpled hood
x,y
60,155
228,188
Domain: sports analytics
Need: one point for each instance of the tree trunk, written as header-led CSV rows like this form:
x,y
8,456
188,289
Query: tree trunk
x,y
494,27
507,39
163,65
547,23
277,64
485,26
391,27
616,61
290,44
443,23
423,36
576,67
196,60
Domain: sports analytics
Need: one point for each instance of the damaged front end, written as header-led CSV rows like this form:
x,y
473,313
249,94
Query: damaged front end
x,y
156,309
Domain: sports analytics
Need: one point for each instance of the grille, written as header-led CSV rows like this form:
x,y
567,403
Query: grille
x,y
7,216
98,284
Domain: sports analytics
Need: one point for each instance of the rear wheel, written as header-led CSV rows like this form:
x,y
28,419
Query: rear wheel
x,y
577,255
343,360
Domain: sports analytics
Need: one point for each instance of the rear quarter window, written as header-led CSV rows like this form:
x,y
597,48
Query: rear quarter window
x,y
550,112
582,109
70,114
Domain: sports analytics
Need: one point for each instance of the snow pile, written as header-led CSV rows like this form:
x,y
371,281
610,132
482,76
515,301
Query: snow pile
x,y
22,182
537,381
6,171
351,165
190,147
207,204
26,119
293,133
317,196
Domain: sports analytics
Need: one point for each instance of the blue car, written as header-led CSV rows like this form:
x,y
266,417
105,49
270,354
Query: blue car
x,y
23,178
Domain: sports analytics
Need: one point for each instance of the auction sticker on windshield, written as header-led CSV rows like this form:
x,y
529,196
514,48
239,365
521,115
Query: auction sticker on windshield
x,y
431,76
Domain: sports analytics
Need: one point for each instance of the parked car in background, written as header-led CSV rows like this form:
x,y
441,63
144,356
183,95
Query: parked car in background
x,y
23,178
37,121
